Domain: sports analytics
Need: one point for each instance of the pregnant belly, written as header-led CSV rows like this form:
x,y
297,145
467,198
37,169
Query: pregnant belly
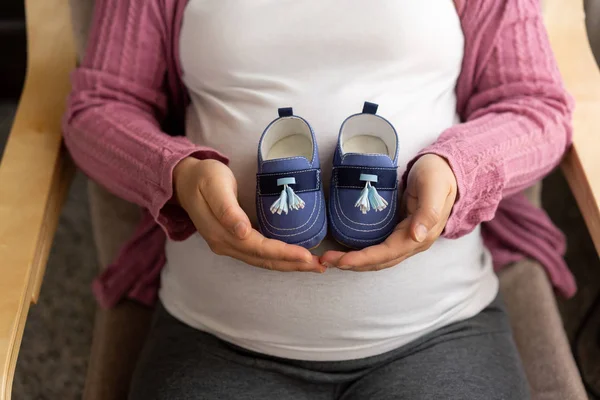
x,y
330,315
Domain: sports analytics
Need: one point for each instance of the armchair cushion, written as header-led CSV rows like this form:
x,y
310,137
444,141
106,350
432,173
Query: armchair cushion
x,y
118,332
539,333
81,16
113,221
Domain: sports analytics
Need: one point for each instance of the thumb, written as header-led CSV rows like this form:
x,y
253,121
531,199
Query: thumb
x,y
219,191
431,198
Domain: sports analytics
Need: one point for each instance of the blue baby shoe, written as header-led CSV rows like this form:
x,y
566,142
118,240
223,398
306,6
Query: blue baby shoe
x,y
289,196
363,203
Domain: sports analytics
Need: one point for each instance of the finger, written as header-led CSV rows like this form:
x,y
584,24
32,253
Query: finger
x,y
404,205
398,244
431,199
331,258
389,264
279,265
204,220
410,204
220,194
258,246
255,246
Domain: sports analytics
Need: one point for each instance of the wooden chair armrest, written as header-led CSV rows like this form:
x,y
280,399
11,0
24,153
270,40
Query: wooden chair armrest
x,y
565,20
35,174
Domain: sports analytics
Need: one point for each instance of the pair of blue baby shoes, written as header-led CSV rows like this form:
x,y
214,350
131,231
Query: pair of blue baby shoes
x,y
363,194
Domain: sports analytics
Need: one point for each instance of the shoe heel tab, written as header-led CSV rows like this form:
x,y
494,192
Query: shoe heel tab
x,y
285,112
370,108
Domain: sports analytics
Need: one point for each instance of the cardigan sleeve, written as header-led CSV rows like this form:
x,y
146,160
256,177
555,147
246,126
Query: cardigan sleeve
x,y
516,119
112,127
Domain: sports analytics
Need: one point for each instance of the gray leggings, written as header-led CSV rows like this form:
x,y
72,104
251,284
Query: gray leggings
x,y
472,359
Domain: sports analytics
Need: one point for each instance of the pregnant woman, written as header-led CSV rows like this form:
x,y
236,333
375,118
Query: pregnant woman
x,y
167,109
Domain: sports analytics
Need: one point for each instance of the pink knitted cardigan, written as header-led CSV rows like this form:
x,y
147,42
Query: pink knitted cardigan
x,y
516,125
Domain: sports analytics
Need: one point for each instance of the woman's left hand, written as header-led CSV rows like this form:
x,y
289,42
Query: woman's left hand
x,y
427,202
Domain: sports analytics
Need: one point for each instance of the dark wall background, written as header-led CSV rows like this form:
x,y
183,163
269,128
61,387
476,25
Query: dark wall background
x,y
13,57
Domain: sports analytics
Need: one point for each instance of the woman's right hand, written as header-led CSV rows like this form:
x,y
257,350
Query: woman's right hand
x,y
207,190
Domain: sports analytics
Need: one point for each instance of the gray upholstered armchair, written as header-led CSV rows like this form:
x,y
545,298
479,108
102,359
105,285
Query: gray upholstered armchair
x,y
34,151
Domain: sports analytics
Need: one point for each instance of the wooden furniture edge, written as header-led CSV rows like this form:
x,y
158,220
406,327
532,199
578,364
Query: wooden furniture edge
x,y
565,21
34,174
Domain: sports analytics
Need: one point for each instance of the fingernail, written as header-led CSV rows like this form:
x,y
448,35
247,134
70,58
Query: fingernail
x,y
310,259
327,265
345,267
420,232
240,230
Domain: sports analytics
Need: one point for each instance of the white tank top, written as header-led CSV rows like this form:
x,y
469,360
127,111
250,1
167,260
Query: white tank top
x,y
242,60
